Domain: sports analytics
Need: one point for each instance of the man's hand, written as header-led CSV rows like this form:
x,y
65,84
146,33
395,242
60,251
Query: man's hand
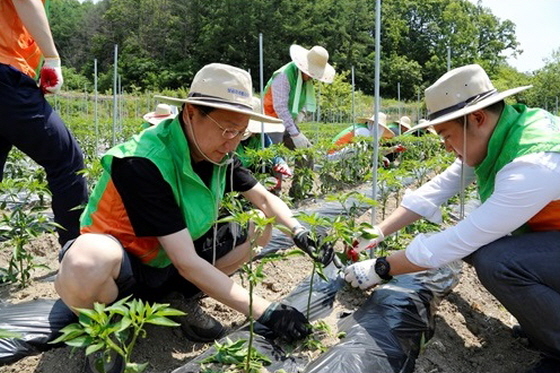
x,y
300,141
283,168
50,79
285,321
369,239
324,254
362,274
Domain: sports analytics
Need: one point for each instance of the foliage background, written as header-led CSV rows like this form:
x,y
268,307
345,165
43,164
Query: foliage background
x,y
162,43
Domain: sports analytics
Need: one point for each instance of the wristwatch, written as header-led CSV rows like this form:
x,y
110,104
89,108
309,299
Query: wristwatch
x,y
297,227
382,268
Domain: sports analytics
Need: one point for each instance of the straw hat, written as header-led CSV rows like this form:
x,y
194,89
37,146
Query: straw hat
x,y
224,87
313,62
459,92
405,122
162,112
387,133
257,126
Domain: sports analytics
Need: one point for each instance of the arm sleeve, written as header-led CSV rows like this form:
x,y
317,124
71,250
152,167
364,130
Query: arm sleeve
x,y
281,94
147,197
522,189
427,199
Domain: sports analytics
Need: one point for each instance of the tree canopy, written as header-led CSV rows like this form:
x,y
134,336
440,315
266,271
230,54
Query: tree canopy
x,y
162,43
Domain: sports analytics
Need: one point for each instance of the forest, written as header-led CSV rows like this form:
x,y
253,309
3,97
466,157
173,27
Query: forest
x,y
162,43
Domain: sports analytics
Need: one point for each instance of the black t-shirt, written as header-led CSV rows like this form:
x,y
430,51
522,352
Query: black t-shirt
x,y
149,200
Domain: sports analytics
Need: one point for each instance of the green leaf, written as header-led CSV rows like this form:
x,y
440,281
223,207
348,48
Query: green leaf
x,y
160,320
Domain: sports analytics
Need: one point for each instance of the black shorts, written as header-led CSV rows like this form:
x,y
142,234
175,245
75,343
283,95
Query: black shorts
x,y
151,283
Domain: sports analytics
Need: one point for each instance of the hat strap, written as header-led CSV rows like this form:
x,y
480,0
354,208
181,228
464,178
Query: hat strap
x,y
469,101
218,100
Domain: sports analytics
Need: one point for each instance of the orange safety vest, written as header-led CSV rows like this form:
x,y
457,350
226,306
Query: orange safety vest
x,y
17,47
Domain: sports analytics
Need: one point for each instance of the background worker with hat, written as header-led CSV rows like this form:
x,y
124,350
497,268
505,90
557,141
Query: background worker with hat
x,y
149,226
364,128
290,90
256,137
29,69
513,238
400,126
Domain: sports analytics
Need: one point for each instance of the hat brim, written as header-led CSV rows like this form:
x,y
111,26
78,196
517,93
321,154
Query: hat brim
x,y
256,126
155,119
298,54
469,109
217,105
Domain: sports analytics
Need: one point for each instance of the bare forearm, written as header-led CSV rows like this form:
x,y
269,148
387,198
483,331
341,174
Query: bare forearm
x,y
221,287
399,219
400,264
33,16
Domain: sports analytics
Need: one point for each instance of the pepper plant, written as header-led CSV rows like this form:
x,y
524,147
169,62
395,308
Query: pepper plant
x,y
116,328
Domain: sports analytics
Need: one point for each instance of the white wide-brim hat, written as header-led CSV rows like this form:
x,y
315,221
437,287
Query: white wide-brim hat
x,y
257,126
405,122
162,112
459,92
387,133
224,87
313,62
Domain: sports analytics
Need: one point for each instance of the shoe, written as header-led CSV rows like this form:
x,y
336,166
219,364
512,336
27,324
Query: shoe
x,y
99,362
545,365
197,325
517,332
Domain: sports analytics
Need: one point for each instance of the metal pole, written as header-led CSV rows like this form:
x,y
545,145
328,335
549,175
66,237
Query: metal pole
x,y
448,58
399,98
261,82
353,91
115,108
377,103
95,120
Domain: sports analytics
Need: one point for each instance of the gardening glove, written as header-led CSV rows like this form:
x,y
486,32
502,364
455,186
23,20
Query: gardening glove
x,y
399,148
283,168
369,239
362,274
300,141
50,78
285,321
324,254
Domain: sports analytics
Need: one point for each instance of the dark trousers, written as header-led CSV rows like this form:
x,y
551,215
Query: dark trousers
x,y
523,273
28,122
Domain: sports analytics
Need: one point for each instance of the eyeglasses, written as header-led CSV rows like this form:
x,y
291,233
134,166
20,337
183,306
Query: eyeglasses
x,y
228,133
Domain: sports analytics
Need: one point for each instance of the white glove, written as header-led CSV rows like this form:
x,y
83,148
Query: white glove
x,y
50,79
300,141
362,274
369,239
283,169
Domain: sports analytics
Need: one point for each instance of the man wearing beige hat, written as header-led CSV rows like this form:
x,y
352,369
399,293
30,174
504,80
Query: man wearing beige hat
x,y
513,238
290,90
149,227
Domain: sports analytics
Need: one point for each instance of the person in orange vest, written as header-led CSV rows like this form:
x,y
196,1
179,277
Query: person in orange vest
x,y
290,92
512,238
28,121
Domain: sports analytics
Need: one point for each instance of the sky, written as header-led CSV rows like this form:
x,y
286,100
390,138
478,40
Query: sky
x,y
537,28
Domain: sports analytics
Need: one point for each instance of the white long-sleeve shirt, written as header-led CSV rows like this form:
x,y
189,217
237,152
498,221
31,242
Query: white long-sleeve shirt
x,y
522,188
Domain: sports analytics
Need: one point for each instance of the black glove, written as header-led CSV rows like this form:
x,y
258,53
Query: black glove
x,y
324,254
285,321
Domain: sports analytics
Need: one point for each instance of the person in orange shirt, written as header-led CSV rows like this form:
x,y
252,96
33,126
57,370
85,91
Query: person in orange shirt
x,y
28,121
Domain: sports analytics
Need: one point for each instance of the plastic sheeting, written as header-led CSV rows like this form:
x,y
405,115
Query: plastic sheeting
x,y
37,322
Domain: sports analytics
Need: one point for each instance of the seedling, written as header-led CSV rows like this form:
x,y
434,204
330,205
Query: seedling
x,y
116,328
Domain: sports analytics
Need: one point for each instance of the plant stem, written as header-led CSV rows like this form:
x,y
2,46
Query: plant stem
x,y
310,289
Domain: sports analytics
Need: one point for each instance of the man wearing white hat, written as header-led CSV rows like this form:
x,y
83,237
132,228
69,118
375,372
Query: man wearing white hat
x,y
149,226
290,90
364,128
400,126
513,237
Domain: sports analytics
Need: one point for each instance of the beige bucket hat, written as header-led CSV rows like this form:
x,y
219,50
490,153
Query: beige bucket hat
x,y
459,92
313,62
224,87
405,122
162,112
387,133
